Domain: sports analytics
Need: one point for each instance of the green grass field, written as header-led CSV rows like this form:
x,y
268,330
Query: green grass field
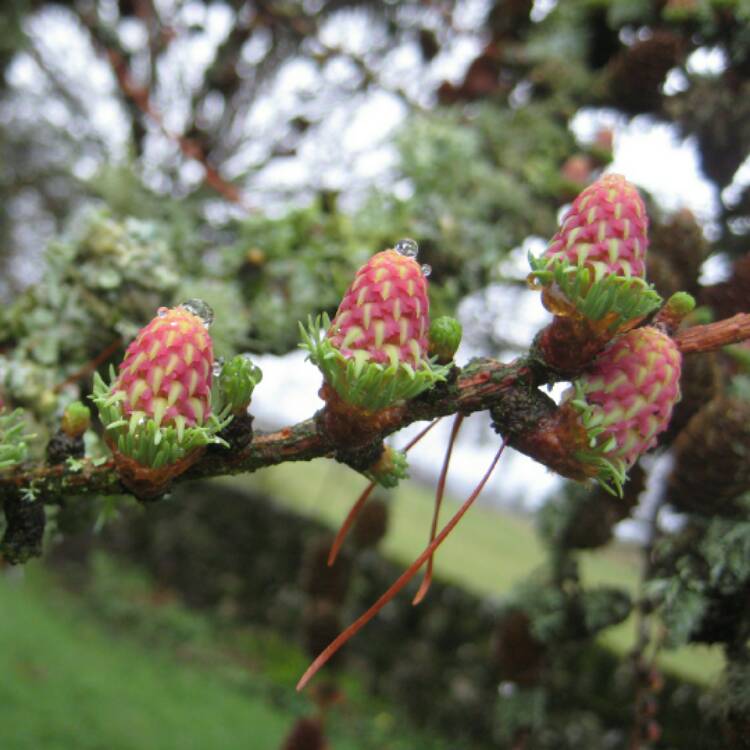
x,y
123,668
487,553
126,667
67,683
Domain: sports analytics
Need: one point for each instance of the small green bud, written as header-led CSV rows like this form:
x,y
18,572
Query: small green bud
x,y
237,381
675,310
76,419
681,303
445,337
390,468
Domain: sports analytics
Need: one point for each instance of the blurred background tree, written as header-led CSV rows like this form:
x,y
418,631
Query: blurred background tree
x,y
254,154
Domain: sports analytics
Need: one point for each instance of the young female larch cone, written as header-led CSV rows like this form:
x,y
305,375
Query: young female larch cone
x,y
605,229
157,412
613,412
375,351
592,273
624,401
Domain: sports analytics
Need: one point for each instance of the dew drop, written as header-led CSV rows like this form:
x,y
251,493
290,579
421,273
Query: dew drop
x,y
161,312
407,247
201,309
426,270
217,366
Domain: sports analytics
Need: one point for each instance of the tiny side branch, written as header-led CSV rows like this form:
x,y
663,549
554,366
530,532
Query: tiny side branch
x,y
714,335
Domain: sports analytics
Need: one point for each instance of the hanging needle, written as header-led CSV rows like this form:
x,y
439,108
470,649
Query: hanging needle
x,y
439,492
354,511
402,581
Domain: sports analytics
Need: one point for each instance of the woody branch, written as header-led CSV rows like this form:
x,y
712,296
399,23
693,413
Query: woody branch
x,y
481,385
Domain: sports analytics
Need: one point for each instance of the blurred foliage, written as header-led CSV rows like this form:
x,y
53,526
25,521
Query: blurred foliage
x,y
290,268
173,195
707,582
185,686
442,662
480,183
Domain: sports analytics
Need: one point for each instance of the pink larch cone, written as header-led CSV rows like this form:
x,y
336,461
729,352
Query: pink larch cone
x,y
628,394
384,316
166,372
606,229
376,350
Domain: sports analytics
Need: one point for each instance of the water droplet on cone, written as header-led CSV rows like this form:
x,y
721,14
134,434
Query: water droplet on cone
x,y
426,270
407,247
162,311
201,309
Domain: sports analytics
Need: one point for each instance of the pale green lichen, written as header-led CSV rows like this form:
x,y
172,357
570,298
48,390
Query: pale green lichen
x,y
13,439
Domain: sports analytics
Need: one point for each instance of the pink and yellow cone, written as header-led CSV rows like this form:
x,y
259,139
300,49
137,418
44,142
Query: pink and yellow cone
x,y
606,230
384,315
166,373
157,413
625,400
374,353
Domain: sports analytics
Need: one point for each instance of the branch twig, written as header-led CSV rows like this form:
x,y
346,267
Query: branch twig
x,y
140,96
714,335
482,384
479,385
